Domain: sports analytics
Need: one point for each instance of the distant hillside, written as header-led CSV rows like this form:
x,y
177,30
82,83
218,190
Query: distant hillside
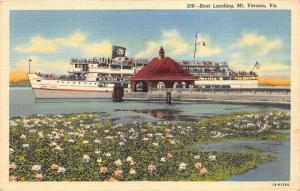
x,y
266,80
17,76
24,83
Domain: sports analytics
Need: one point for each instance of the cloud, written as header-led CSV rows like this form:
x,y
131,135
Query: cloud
x,y
76,39
41,65
103,48
251,47
274,69
175,42
172,42
258,42
150,51
266,69
209,49
38,45
175,45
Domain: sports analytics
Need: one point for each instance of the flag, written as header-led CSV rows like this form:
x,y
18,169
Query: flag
x,y
203,43
257,66
30,60
118,51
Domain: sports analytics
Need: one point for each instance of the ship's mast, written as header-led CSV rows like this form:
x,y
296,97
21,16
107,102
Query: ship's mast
x,y
29,60
195,49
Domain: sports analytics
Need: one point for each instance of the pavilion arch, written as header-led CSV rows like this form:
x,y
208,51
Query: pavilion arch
x,y
176,85
161,85
139,86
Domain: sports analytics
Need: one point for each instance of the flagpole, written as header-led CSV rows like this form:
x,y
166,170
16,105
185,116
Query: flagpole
x,y
29,65
195,45
255,66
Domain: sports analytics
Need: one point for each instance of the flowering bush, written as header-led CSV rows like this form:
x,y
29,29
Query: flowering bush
x,y
82,147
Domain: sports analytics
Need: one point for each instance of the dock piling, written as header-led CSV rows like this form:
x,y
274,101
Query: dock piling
x,y
168,98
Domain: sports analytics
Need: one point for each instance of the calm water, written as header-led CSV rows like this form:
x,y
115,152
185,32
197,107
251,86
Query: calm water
x,y
22,102
277,170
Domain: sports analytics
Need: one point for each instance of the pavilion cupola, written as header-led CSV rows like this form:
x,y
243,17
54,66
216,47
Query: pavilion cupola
x,y
161,52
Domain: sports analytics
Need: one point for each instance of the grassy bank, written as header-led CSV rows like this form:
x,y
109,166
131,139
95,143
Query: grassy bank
x,y
83,147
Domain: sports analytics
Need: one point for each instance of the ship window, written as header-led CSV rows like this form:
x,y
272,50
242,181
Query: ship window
x,y
38,80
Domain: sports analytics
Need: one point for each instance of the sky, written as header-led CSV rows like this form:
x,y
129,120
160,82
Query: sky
x,y
239,37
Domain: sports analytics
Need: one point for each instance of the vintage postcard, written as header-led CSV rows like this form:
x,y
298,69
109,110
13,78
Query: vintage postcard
x,y
150,95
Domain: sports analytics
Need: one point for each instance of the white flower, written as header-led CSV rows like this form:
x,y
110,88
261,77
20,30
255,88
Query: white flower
x,y
96,141
61,169
129,159
131,130
132,171
163,159
71,141
85,142
132,163
151,168
109,137
172,142
118,162
155,144
99,160
40,134
23,136
53,143
95,131
121,143
196,157
182,166
57,137
36,167
12,123
145,139
158,134
106,131
58,148
212,157
11,151
86,158
25,145
97,152
107,154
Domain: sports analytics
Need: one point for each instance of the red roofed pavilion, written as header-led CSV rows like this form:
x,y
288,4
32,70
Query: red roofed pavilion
x,y
161,72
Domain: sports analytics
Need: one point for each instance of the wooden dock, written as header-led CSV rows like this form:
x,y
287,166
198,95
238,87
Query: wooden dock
x,y
263,95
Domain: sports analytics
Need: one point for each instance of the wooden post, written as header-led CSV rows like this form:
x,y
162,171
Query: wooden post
x,y
169,98
118,93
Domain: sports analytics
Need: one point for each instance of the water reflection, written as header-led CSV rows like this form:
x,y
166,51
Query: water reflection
x,y
162,114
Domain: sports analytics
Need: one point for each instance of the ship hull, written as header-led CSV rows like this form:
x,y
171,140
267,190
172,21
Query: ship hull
x,y
67,94
67,89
